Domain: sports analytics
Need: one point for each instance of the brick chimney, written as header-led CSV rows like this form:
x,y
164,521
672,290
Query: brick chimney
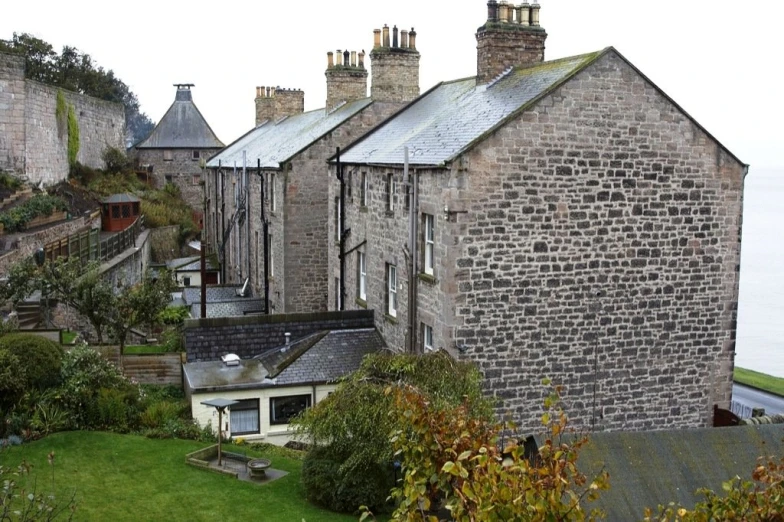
x,y
346,78
273,103
394,65
511,37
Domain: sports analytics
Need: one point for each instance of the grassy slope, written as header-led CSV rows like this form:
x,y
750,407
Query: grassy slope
x,y
131,478
759,380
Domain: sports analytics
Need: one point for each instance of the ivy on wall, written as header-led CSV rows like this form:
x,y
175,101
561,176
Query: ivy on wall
x,y
61,114
66,121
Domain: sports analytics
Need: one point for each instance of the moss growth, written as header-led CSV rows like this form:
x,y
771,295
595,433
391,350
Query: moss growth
x,y
61,114
73,136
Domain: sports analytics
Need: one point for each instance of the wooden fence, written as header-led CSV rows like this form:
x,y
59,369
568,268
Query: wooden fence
x,y
88,246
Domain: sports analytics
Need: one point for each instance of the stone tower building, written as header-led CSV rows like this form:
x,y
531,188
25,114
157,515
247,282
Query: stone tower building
x,y
394,65
563,219
273,103
511,37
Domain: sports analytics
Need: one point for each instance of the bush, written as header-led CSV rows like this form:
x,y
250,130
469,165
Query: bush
x,y
13,379
83,174
115,160
159,413
17,218
116,409
39,359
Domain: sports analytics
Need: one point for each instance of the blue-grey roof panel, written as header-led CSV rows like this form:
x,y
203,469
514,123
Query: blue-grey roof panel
x,y
275,142
452,116
182,127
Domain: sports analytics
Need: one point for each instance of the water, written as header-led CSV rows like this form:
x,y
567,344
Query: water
x,y
760,344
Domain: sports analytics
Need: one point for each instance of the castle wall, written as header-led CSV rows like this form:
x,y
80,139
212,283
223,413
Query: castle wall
x,y
31,142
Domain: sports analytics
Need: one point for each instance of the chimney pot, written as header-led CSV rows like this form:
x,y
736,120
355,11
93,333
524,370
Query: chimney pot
x,y
288,338
404,39
330,62
412,39
503,12
394,36
362,60
376,38
535,14
385,32
353,58
346,58
339,58
258,92
525,13
492,11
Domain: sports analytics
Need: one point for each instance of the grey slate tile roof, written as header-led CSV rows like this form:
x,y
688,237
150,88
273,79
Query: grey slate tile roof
x,y
276,142
651,468
229,308
215,294
453,115
182,127
189,264
121,198
322,357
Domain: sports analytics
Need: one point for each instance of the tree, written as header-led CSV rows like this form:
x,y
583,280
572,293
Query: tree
x,y
349,430
454,459
76,71
140,304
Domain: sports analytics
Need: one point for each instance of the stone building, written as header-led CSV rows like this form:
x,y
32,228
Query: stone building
x,y
178,147
562,219
287,154
34,141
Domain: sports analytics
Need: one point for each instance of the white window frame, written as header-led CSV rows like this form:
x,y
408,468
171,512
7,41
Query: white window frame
x,y
429,230
273,200
391,192
304,399
168,155
361,276
338,297
244,414
427,338
271,257
337,221
364,190
391,290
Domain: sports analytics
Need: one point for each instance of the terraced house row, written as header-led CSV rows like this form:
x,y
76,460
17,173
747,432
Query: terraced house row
x,y
561,218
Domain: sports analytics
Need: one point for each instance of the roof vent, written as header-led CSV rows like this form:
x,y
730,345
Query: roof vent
x,y
231,359
243,292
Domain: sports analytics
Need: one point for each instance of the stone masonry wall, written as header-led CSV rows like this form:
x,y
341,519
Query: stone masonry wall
x,y
101,125
607,258
27,244
209,339
500,46
594,240
183,170
395,74
12,113
345,84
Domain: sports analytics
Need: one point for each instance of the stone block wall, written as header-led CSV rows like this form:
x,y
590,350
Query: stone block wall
x,y
345,83
273,103
209,339
500,46
12,113
27,244
183,170
395,74
101,125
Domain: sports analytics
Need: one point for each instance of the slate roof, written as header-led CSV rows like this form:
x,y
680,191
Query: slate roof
x,y
121,198
182,127
215,294
238,307
319,358
276,142
450,117
189,264
651,468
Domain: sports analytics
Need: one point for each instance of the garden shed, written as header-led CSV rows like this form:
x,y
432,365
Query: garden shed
x,y
119,211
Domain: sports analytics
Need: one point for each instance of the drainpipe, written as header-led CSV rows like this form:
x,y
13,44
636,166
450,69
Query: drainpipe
x,y
413,215
265,233
342,233
247,211
223,221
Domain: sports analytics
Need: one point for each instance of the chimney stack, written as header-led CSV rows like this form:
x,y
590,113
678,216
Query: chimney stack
x,y
511,37
394,66
346,79
273,103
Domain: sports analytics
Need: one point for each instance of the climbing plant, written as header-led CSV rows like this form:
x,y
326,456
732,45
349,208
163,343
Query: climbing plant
x,y
73,136
61,114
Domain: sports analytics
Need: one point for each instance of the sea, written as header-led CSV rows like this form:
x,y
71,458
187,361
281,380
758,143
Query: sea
x,y
760,337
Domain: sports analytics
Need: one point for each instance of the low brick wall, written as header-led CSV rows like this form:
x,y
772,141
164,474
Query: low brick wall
x,y
209,339
163,369
27,244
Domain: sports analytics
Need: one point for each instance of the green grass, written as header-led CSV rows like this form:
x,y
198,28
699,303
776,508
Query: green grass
x,y
759,380
140,349
69,337
131,478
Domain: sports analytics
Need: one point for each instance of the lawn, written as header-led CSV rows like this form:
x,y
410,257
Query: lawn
x,y
141,349
69,337
132,478
759,380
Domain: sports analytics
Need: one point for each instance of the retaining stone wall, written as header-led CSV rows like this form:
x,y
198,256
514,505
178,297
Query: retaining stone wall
x,y
209,339
12,113
182,170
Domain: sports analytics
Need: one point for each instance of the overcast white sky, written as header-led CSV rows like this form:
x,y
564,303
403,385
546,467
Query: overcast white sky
x,y
719,59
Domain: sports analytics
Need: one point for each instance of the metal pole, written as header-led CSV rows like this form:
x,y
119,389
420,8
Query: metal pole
x,y
220,433
203,308
341,233
265,233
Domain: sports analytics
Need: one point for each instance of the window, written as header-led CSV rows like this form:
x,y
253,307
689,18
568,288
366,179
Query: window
x,y
258,255
391,290
245,417
391,189
361,275
168,178
337,220
136,209
186,281
429,226
283,409
126,211
168,155
408,189
338,297
427,337
271,257
363,189
196,179
115,212
273,202
348,186
195,155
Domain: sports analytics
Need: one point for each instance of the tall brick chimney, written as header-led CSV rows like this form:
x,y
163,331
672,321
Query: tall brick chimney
x,y
511,37
394,66
346,78
273,103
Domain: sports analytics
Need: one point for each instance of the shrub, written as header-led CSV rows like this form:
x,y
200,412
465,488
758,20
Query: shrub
x,y
17,218
13,379
7,181
116,409
39,359
159,413
115,160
